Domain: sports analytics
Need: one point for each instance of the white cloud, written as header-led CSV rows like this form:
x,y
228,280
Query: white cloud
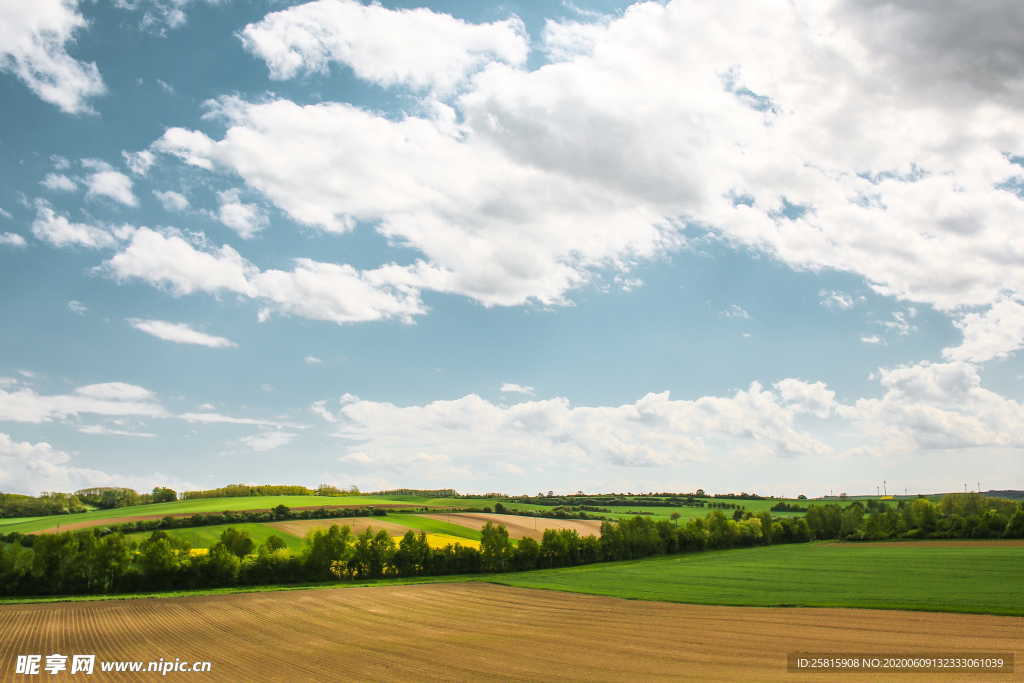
x,y
936,406
245,219
473,433
315,290
180,333
36,467
60,163
77,307
319,408
994,333
171,200
51,227
509,387
217,418
12,239
34,37
165,86
872,339
115,399
814,398
168,259
267,441
160,15
139,162
117,391
831,298
735,311
106,182
417,48
58,182
107,431
901,322
312,360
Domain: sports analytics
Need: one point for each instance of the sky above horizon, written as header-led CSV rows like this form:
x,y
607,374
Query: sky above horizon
x,y
516,246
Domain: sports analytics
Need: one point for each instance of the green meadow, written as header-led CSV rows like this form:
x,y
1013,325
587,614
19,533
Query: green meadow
x,y
985,578
207,536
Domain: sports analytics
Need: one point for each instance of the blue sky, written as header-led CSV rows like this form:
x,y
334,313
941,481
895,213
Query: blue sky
x,y
519,246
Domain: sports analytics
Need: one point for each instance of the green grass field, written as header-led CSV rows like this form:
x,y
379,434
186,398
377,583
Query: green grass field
x,y
207,536
917,576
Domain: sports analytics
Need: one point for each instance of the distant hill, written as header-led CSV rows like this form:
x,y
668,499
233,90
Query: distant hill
x,y
1010,493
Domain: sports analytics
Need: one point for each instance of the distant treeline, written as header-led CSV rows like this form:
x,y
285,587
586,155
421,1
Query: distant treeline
x,y
425,493
91,562
621,501
782,506
956,515
16,505
243,490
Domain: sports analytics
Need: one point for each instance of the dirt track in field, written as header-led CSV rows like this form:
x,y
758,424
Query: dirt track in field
x,y
301,527
481,632
519,526
107,521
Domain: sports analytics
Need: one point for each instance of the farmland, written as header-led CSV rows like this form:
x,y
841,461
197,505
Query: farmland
x,y
217,505
968,576
477,631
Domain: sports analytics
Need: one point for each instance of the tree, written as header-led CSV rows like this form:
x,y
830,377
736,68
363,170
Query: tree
x,y
164,495
675,518
274,543
495,548
801,497
238,542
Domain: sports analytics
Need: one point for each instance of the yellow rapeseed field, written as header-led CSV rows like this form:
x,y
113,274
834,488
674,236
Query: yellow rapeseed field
x,y
442,540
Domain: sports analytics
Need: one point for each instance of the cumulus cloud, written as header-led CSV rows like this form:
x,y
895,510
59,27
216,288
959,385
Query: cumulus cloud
x,y
245,219
56,229
267,441
180,333
12,239
139,162
104,181
312,289
653,431
119,391
872,339
817,115
58,182
34,38
808,397
77,307
417,48
935,406
171,200
994,333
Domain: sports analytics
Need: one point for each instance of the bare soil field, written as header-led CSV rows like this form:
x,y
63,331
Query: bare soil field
x,y
301,527
481,632
85,524
519,526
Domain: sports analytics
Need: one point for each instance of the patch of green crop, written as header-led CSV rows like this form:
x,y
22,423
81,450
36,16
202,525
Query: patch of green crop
x,y
918,576
207,536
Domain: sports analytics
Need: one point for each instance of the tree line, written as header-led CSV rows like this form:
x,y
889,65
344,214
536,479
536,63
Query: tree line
x,y
955,515
83,562
53,503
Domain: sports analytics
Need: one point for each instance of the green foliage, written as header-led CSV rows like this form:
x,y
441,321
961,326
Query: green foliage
x,y
17,505
162,494
237,542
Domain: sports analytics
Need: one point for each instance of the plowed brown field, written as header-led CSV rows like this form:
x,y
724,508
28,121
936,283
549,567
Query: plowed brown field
x,y
301,527
480,632
519,526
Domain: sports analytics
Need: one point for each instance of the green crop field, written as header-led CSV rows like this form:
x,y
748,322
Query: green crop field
x,y
914,576
207,536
